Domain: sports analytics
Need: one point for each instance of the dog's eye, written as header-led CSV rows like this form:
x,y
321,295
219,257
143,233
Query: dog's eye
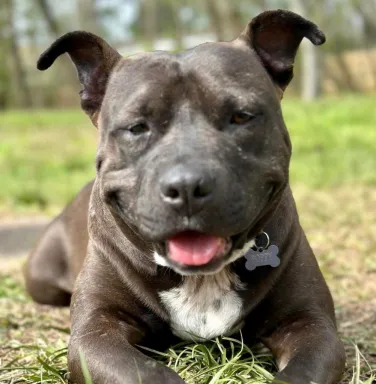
x,y
240,118
138,129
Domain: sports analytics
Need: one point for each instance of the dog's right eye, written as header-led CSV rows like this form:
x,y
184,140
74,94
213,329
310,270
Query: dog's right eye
x,y
241,118
138,129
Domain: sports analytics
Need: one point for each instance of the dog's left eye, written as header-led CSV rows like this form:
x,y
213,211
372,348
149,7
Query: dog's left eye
x,y
241,118
138,129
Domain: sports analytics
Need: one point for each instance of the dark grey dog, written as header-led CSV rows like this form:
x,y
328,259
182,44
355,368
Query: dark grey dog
x,y
192,165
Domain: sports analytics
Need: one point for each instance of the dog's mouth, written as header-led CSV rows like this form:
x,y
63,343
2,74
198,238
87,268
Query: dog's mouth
x,y
191,248
192,252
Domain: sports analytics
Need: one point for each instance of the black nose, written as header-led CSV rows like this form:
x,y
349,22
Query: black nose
x,y
187,189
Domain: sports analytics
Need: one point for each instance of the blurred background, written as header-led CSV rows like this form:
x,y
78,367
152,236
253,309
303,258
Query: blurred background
x,y
47,145
54,152
347,63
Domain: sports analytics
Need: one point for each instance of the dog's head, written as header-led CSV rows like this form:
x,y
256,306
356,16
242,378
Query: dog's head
x,y
193,151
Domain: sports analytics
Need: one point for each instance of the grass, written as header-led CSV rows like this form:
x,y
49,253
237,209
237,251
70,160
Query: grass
x,y
36,336
51,153
223,360
342,237
45,157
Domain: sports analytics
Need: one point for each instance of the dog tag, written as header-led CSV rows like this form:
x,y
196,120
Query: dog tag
x,y
260,257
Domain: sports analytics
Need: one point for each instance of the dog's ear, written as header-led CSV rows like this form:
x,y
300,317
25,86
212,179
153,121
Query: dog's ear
x,y
275,36
94,60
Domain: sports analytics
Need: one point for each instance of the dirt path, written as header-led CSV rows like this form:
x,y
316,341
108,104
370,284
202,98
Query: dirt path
x,y
18,236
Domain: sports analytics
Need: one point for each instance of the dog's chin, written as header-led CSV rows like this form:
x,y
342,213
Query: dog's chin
x,y
227,254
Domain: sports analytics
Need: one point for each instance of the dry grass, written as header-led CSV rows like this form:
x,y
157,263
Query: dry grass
x,y
341,226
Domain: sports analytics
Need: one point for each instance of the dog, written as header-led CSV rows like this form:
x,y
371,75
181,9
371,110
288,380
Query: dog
x,y
192,174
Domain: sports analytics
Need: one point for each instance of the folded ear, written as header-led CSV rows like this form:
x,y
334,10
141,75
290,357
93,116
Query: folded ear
x,y
94,60
275,36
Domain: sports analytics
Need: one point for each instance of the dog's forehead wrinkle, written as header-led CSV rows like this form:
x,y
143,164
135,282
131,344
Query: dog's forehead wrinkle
x,y
227,59
150,66
224,64
178,86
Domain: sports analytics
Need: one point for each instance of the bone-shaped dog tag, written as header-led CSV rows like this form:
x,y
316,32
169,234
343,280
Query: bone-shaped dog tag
x,y
262,257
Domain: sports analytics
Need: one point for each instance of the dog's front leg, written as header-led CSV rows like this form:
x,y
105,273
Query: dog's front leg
x,y
308,350
106,343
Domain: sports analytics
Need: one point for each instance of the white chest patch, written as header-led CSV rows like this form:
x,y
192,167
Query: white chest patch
x,y
204,307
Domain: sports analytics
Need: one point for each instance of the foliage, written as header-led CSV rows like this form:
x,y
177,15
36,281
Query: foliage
x,y
28,26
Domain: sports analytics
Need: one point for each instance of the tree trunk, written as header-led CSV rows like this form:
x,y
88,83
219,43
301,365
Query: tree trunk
x,y
149,20
88,16
310,60
53,25
225,18
179,33
215,19
235,22
366,10
18,64
4,62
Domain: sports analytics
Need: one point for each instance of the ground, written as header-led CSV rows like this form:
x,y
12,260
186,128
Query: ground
x,y
334,183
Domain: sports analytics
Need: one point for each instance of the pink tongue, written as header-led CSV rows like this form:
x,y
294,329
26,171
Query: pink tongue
x,y
194,248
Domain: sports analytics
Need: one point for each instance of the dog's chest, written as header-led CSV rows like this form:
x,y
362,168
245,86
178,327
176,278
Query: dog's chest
x,y
203,307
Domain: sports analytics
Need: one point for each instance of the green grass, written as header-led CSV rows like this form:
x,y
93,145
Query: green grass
x,y
44,360
211,363
342,236
223,360
47,156
334,141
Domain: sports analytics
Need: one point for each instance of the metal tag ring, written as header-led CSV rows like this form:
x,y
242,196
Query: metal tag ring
x,y
267,241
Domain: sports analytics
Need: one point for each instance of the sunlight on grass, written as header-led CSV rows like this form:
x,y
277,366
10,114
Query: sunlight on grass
x,y
334,141
37,363
221,361
85,369
47,156
224,360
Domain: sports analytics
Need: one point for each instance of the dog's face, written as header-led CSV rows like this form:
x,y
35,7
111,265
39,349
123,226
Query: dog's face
x,y
197,145
193,151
